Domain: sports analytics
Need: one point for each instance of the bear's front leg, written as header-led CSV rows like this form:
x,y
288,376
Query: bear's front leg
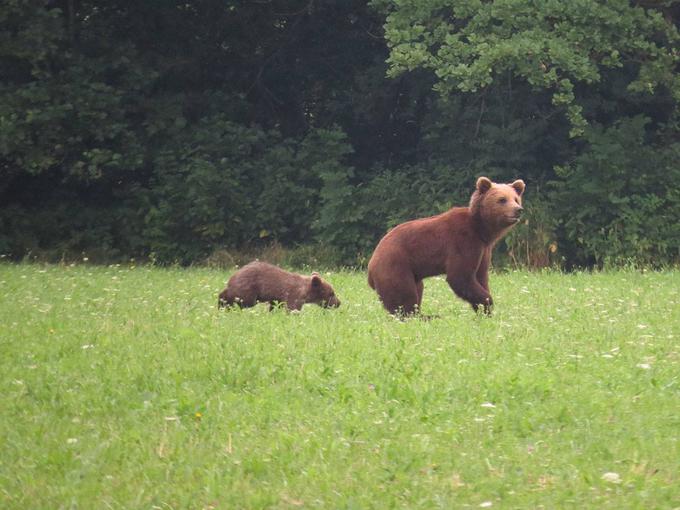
x,y
487,306
468,288
483,269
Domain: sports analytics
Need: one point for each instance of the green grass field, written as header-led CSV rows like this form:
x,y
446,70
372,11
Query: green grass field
x,y
125,387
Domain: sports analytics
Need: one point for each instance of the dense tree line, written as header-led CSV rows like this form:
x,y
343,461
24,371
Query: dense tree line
x,y
174,129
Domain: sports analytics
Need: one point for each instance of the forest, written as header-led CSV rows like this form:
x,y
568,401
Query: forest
x,y
171,131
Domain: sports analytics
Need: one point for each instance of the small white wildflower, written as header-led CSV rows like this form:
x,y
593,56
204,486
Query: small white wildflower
x,y
486,504
488,404
71,440
87,346
644,366
611,477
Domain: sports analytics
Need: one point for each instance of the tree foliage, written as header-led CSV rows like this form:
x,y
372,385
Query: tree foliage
x,y
172,129
551,45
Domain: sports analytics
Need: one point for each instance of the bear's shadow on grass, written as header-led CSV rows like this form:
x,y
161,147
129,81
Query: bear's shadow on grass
x,y
426,317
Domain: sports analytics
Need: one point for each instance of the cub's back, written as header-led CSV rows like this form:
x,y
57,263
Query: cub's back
x,y
265,279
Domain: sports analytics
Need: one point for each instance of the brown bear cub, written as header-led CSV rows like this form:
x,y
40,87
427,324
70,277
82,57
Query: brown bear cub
x,y
457,242
259,282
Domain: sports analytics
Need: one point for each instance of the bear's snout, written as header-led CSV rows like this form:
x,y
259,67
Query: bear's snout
x,y
513,216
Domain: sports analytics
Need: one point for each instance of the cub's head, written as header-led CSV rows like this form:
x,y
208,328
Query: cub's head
x,y
321,292
499,205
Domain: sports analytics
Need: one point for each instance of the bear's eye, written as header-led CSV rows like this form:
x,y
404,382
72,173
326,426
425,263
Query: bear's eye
x,y
503,200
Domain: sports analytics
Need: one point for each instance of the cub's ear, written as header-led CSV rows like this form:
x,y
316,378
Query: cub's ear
x,y
484,184
519,186
316,279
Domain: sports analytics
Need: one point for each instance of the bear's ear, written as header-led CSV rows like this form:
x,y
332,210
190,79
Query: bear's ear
x,y
316,279
519,186
484,184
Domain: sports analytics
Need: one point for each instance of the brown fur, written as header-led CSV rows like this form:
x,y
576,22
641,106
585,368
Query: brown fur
x,y
458,242
259,282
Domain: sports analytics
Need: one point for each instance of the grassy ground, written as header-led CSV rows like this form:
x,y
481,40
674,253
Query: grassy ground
x,y
126,388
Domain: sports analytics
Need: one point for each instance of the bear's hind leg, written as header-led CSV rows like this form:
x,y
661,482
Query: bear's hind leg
x,y
241,299
401,298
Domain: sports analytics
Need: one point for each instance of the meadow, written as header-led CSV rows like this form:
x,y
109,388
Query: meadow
x,y
124,387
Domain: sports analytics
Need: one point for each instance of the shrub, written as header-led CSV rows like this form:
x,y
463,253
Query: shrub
x,y
203,190
619,199
533,243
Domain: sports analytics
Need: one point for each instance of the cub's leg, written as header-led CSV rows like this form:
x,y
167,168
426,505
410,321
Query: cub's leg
x,y
223,300
230,298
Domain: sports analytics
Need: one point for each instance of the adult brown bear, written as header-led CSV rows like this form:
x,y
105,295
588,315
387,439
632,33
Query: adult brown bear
x,y
457,242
